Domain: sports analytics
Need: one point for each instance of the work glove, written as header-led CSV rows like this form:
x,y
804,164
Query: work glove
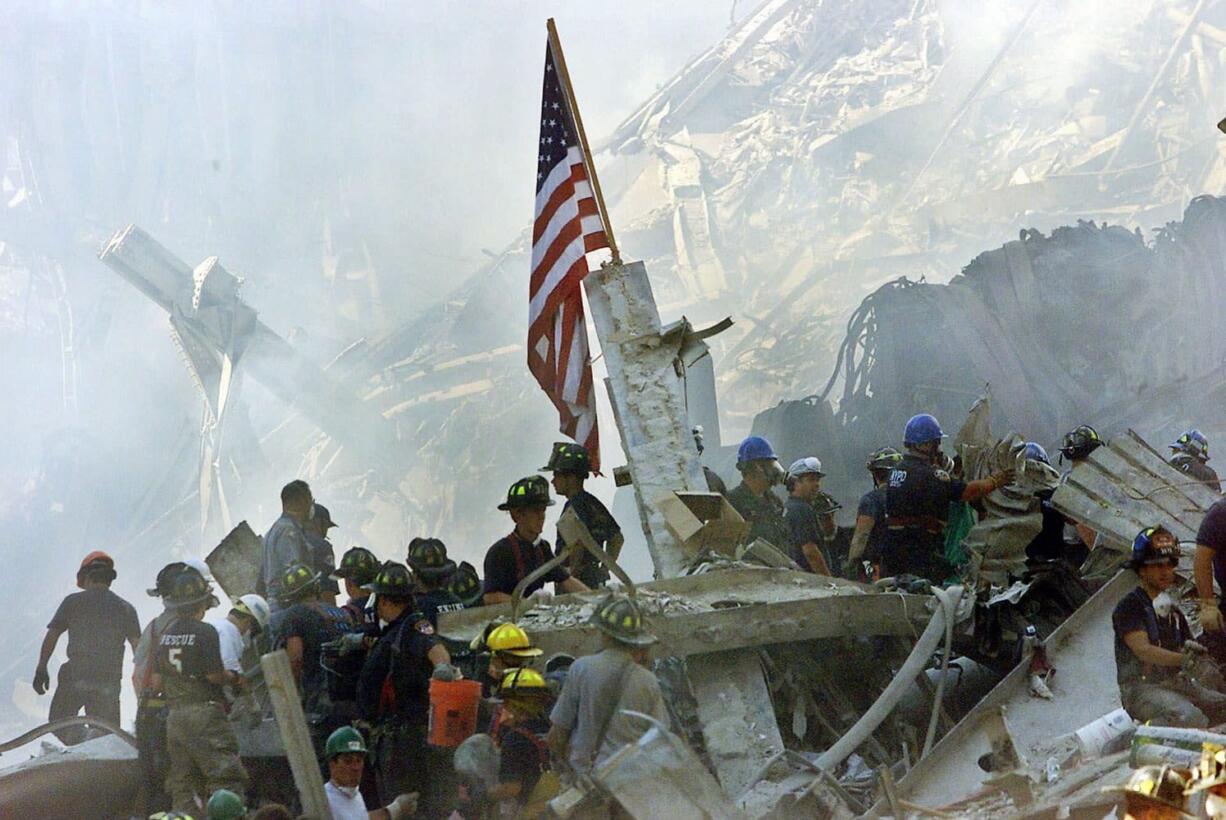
x,y
541,596
42,681
446,672
1210,615
1194,647
349,642
1002,478
404,805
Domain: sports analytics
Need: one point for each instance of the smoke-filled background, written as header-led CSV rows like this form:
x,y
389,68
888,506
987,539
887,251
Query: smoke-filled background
x,y
367,170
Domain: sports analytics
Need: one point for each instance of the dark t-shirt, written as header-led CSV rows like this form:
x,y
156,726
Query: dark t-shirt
x,y
511,559
602,526
764,514
801,520
315,623
98,622
872,504
435,601
1212,534
188,651
395,682
1135,613
522,754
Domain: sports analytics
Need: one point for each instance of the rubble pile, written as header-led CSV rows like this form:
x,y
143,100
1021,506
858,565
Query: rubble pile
x,y
558,615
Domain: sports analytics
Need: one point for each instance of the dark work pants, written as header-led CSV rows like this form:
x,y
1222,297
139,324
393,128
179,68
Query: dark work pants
x,y
73,692
405,763
151,750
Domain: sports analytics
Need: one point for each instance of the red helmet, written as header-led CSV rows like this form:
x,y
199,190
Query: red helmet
x,y
96,562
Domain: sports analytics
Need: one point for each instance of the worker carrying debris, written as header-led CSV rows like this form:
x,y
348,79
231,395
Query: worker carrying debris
x,y
285,542
869,534
753,499
571,465
1154,650
808,532
589,721
513,558
1190,455
203,749
394,689
917,501
97,622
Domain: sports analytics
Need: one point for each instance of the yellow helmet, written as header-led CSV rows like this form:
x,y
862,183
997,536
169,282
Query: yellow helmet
x,y
522,681
511,639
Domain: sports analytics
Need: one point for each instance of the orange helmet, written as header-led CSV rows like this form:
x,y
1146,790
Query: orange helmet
x,y
97,562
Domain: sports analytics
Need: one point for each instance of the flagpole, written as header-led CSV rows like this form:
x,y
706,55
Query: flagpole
x,y
564,76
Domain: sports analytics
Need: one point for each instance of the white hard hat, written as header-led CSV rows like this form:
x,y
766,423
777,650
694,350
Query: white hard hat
x,y
805,466
255,606
201,567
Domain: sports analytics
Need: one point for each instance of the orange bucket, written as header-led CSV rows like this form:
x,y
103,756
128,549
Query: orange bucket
x,y
453,711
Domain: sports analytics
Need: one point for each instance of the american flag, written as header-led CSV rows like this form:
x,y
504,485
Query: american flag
x,y
567,226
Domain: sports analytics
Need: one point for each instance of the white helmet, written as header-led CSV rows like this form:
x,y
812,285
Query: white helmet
x,y
806,466
201,567
255,606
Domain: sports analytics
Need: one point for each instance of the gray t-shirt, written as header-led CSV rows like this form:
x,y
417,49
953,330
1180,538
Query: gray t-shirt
x,y
284,546
589,696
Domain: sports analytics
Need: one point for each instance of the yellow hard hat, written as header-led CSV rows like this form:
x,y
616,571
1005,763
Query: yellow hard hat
x,y
522,681
511,639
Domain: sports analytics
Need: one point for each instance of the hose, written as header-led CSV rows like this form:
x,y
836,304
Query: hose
x,y
894,691
949,603
80,720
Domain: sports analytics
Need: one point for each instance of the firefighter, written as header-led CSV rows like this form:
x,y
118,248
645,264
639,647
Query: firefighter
x,y
98,622
358,567
571,466
466,585
869,534
433,569
918,495
513,558
525,782
753,498
202,746
394,690
1190,455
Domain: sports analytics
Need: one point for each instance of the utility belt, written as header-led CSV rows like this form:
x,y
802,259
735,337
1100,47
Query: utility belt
x,y
928,523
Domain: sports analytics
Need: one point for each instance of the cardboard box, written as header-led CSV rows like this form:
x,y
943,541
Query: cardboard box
x,y
702,521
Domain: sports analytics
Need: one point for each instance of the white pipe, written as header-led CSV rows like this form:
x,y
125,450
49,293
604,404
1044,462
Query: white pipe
x,y
949,602
894,691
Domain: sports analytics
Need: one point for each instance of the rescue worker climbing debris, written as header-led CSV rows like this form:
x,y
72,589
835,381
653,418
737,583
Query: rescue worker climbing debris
x,y
98,622
808,533
514,557
1154,649
393,690
588,723
753,498
571,466
918,495
1190,455
202,747
869,534
346,754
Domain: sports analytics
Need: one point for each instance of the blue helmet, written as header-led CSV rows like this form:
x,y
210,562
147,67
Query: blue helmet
x,y
1154,545
922,429
1034,451
753,449
1194,443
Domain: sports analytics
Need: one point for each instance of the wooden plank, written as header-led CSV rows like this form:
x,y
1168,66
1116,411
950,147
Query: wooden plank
x,y
287,707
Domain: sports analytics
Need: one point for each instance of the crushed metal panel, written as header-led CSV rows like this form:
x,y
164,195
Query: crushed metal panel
x,y
235,562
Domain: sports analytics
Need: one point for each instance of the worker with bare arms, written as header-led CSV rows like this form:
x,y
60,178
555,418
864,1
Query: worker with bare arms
x,y
97,622
515,557
1153,643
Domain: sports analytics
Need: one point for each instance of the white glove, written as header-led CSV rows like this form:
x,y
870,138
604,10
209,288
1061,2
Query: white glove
x,y
542,595
446,672
404,805
1210,615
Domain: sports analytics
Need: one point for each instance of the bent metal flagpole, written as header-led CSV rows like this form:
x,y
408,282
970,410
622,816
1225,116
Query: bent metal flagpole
x,y
588,163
